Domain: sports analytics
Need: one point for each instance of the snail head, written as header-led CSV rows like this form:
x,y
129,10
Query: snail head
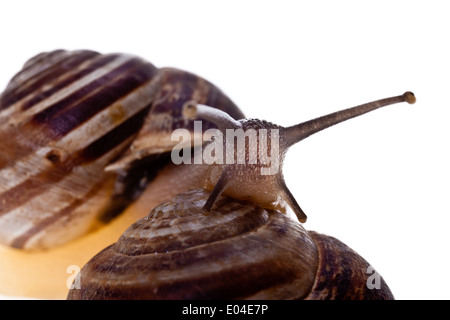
x,y
250,152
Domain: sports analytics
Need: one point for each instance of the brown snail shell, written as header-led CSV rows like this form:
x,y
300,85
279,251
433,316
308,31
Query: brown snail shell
x,y
176,87
237,251
64,118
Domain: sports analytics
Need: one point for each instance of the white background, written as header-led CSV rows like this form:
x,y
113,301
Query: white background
x,y
379,183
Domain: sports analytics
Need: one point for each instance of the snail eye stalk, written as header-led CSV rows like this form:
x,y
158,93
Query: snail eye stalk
x,y
303,130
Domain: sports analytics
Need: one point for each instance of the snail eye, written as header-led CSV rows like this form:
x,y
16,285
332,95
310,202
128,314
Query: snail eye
x,y
54,156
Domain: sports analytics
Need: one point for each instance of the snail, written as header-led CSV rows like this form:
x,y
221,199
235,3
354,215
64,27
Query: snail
x,y
85,155
204,245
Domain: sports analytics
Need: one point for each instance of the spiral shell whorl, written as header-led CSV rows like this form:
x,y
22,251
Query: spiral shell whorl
x,y
343,274
178,252
63,118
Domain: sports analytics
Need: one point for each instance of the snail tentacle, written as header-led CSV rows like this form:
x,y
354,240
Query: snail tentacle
x,y
287,196
220,118
218,189
303,130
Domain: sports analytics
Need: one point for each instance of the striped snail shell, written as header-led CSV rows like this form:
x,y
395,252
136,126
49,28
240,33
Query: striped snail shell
x,y
237,251
74,126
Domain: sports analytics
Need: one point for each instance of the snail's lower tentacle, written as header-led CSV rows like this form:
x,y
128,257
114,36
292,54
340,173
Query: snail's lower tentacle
x,y
218,189
292,203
